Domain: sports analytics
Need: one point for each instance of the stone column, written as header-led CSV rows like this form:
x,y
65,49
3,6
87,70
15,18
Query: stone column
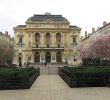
x,y
33,40
42,39
53,58
53,39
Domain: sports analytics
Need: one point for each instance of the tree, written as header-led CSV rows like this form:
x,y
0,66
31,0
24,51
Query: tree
x,y
101,48
98,49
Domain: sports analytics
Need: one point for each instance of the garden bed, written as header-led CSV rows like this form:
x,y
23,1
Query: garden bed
x,y
17,78
85,76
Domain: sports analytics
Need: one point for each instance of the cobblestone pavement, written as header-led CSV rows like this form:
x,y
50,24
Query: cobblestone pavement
x,y
52,87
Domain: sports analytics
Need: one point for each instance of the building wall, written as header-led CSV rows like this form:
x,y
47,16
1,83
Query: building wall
x,y
104,30
28,37
6,48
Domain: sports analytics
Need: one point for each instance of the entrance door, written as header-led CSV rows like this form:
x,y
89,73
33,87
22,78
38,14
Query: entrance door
x,y
58,57
48,57
37,57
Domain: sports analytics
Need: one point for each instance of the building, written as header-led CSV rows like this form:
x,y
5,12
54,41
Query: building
x,y
104,30
6,48
46,38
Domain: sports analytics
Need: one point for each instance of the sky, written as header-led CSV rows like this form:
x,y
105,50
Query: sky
x,y
82,13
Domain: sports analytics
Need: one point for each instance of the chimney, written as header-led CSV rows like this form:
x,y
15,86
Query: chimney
x,y
13,38
93,30
9,36
81,37
104,23
98,28
85,33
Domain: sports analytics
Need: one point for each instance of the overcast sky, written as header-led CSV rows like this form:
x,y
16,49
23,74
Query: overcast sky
x,y
83,13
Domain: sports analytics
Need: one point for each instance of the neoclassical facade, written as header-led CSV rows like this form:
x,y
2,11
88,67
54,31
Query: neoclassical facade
x,y
46,38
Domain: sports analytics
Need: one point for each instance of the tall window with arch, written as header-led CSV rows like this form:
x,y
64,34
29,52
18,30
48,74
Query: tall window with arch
x,y
37,38
74,40
58,38
48,38
20,40
74,43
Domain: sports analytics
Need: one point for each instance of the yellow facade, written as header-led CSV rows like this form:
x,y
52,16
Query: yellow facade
x,y
46,38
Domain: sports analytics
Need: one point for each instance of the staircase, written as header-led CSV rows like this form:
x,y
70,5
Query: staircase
x,y
49,70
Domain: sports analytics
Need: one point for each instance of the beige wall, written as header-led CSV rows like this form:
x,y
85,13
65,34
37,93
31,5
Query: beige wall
x,y
29,35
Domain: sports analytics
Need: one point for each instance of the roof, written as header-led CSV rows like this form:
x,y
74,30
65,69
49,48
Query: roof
x,y
20,26
104,26
74,27
45,17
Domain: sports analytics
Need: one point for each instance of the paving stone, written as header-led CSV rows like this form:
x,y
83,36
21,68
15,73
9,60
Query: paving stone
x,y
52,87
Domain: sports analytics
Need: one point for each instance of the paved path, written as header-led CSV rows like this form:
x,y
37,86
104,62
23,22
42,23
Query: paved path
x,y
52,87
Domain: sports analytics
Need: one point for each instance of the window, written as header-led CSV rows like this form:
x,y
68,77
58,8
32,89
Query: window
x,y
47,45
20,39
58,45
29,58
58,38
37,37
36,45
75,59
48,37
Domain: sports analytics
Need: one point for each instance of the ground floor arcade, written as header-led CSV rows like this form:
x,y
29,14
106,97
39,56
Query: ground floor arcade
x,y
42,56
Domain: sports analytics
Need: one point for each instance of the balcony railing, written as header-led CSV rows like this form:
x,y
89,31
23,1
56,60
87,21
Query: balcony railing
x,y
47,48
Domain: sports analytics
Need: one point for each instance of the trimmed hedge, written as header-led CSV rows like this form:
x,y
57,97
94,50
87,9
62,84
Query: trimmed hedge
x,y
17,78
85,76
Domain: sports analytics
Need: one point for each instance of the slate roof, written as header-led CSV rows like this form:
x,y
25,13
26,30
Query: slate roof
x,y
20,26
50,17
74,27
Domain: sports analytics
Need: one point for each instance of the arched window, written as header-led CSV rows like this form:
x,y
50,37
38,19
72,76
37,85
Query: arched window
x,y
37,57
58,56
20,40
48,37
37,37
58,38
74,40
29,58
47,57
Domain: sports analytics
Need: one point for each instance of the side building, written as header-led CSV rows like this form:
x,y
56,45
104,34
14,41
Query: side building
x,y
6,48
89,37
46,38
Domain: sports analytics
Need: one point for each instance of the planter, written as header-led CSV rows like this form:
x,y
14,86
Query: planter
x,y
26,83
85,77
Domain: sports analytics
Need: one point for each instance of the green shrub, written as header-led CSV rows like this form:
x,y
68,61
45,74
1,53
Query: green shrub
x,y
84,75
16,73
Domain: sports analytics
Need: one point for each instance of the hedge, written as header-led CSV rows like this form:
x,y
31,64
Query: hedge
x,y
85,76
19,78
